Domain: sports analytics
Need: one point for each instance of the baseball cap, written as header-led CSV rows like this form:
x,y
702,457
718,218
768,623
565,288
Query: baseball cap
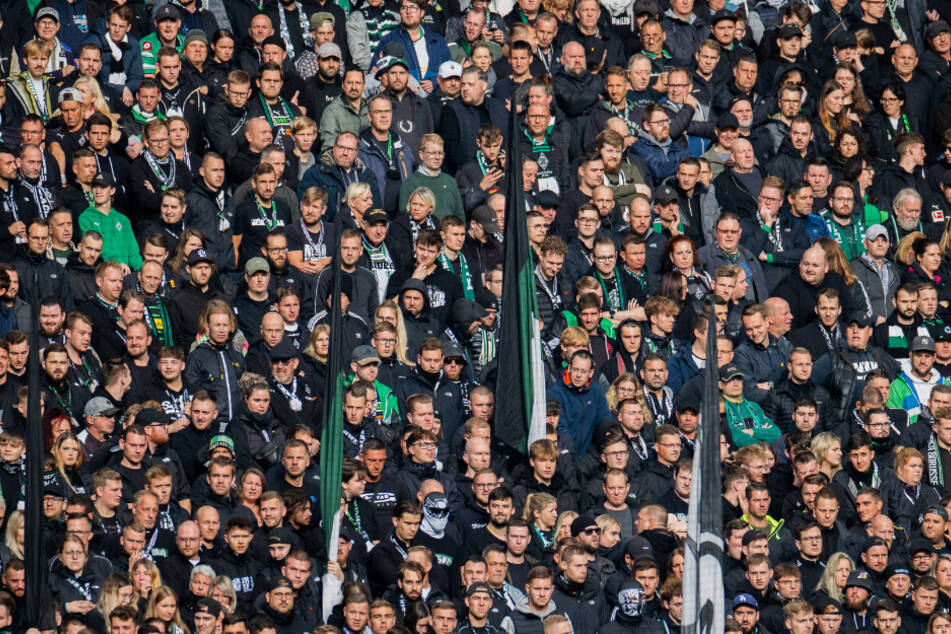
x,y
730,371
876,231
789,31
485,217
396,61
281,535
279,581
453,350
844,39
486,299
581,524
466,311
638,547
436,504
364,353
199,255
723,14
450,69
196,35
892,571
479,586
935,28
46,12
256,265
329,49
943,333
827,605
664,195
923,344
376,215
745,599
274,40
55,489
167,12
860,319
70,94
150,416
100,406
282,351
594,49
221,441
319,18
859,579
688,403
938,510
547,199
103,180
727,120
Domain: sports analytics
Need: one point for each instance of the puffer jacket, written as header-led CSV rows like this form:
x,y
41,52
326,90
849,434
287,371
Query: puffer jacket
x,y
582,603
582,410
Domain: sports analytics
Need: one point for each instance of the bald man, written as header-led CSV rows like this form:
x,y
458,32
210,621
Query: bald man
x,y
177,568
738,186
778,316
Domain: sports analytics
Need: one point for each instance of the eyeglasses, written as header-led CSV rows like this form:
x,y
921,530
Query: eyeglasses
x,y
587,221
591,531
426,444
660,122
617,454
484,485
455,361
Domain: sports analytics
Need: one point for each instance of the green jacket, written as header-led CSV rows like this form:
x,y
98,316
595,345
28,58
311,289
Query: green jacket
x,y
443,186
386,410
746,415
339,116
774,525
903,393
149,47
118,241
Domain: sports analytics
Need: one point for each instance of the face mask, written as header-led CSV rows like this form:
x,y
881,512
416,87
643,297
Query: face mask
x,y
435,515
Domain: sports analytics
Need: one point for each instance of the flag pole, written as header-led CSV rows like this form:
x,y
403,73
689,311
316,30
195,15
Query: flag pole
x,y
703,592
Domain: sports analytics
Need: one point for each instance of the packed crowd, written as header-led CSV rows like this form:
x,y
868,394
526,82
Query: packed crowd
x,y
175,180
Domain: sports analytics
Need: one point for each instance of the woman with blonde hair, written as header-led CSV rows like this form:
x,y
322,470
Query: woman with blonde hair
x,y
315,354
67,454
163,605
541,513
904,252
14,537
827,448
836,573
563,525
356,201
116,590
94,102
418,215
145,577
622,388
838,263
222,591
610,531
390,313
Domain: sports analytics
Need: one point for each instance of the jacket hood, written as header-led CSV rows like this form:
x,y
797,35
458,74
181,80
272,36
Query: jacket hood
x,y
525,607
326,160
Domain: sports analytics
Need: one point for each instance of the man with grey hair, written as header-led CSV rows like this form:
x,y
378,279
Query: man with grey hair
x,y
877,272
906,215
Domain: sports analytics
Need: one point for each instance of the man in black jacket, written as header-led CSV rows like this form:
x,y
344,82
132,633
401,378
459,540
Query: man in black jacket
x,y
211,210
37,272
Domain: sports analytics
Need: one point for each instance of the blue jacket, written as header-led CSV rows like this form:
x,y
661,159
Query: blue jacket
x,y
435,46
581,411
661,161
131,62
326,175
681,367
761,364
